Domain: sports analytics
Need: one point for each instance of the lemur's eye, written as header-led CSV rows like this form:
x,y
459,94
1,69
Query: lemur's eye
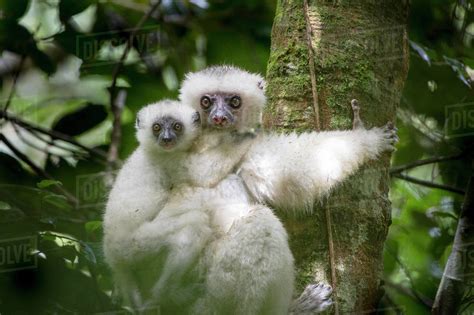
x,y
235,102
156,127
178,127
205,102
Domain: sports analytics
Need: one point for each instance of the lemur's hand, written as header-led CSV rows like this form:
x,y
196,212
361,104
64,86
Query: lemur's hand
x,y
387,133
356,122
389,137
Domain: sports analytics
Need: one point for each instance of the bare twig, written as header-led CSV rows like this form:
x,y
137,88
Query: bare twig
x,y
13,88
35,168
119,65
436,159
119,104
52,133
332,259
424,300
408,292
429,184
44,149
458,271
117,99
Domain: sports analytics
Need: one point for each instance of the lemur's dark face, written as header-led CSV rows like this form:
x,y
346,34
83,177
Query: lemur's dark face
x,y
222,110
167,131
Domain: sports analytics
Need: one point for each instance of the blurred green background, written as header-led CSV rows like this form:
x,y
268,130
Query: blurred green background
x,y
57,62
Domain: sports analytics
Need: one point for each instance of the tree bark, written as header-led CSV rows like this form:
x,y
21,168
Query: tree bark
x,y
459,269
323,54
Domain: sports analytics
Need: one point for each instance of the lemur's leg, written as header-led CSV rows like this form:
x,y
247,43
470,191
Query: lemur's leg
x,y
251,268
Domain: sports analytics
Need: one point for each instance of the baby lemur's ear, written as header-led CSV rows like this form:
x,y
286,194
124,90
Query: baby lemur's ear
x,y
261,85
196,118
137,121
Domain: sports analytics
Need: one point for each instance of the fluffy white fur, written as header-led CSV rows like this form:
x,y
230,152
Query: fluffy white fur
x,y
196,242
189,242
285,171
293,171
228,79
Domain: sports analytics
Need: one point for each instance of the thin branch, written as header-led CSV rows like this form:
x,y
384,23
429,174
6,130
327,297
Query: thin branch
x,y
35,146
119,104
406,291
119,65
424,301
13,88
458,271
117,99
436,159
35,168
52,133
429,184
332,258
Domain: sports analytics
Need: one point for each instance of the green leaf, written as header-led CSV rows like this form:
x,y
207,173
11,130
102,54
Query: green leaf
x,y
4,206
47,183
93,226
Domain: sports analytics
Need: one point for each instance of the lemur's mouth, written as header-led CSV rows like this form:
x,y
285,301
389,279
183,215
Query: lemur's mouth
x,y
167,145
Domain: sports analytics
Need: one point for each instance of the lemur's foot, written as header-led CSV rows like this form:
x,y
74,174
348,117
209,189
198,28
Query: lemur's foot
x,y
356,122
316,298
390,138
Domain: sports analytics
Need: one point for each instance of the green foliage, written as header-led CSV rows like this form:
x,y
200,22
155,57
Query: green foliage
x,y
68,51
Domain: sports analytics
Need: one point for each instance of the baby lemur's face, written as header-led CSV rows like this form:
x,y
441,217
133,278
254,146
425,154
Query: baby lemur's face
x,y
167,126
167,132
222,110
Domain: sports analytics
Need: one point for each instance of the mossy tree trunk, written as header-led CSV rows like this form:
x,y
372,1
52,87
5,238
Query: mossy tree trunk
x,y
323,54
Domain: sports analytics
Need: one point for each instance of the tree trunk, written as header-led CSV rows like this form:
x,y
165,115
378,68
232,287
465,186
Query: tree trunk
x,y
459,269
323,54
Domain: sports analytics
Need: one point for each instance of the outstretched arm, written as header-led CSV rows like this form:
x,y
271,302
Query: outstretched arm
x,y
292,171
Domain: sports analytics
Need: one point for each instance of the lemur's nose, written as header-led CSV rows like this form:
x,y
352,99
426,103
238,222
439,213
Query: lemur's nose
x,y
219,119
167,140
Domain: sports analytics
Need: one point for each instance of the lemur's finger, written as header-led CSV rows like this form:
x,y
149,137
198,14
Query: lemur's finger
x,y
357,122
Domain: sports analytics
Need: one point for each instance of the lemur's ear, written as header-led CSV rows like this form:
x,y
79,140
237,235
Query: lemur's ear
x,y
196,118
137,121
261,85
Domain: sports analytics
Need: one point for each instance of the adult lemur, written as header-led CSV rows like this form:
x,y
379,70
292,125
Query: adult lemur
x,y
246,267
285,171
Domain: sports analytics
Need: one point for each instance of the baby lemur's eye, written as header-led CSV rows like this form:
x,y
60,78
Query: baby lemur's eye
x,y
205,102
178,127
156,127
235,102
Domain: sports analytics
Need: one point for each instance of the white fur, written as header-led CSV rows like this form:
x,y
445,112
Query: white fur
x,y
198,243
184,237
227,79
285,171
293,171
148,115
